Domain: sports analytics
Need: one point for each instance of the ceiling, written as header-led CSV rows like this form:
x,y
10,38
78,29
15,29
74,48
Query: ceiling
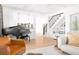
x,y
41,8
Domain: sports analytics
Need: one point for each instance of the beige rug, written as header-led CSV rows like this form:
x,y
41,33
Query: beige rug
x,y
50,50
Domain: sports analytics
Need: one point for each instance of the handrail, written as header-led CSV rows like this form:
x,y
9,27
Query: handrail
x,y
51,22
53,19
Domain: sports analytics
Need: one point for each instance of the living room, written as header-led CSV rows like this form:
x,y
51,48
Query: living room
x,y
37,29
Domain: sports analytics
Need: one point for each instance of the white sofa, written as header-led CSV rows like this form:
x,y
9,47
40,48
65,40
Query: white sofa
x,y
62,44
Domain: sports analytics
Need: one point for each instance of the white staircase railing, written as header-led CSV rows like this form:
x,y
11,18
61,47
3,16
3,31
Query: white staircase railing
x,y
53,23
54,19
57,22
59,28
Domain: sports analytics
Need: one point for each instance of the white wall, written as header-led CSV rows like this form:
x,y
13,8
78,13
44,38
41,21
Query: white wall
x,y
12,16
40,21
9,17
68,12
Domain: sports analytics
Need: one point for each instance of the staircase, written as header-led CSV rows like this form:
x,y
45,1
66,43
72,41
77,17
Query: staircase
x,y
54,19
55,26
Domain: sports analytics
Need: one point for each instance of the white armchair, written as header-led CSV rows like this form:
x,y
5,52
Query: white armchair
x,y
64,46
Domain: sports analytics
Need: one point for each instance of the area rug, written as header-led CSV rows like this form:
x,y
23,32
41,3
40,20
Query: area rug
x,y
50,50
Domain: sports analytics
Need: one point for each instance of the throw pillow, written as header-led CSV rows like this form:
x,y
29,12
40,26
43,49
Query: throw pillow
x,y
73,38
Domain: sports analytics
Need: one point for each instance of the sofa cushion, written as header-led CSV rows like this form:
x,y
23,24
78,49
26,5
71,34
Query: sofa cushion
x,y
73,38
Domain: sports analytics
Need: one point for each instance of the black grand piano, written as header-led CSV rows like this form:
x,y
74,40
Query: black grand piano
x,y
18,31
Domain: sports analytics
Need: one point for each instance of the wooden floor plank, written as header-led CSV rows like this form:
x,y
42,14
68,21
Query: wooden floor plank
x,y
40,41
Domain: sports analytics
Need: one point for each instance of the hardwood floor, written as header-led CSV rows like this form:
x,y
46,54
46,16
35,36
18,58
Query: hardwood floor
x,y
39,42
